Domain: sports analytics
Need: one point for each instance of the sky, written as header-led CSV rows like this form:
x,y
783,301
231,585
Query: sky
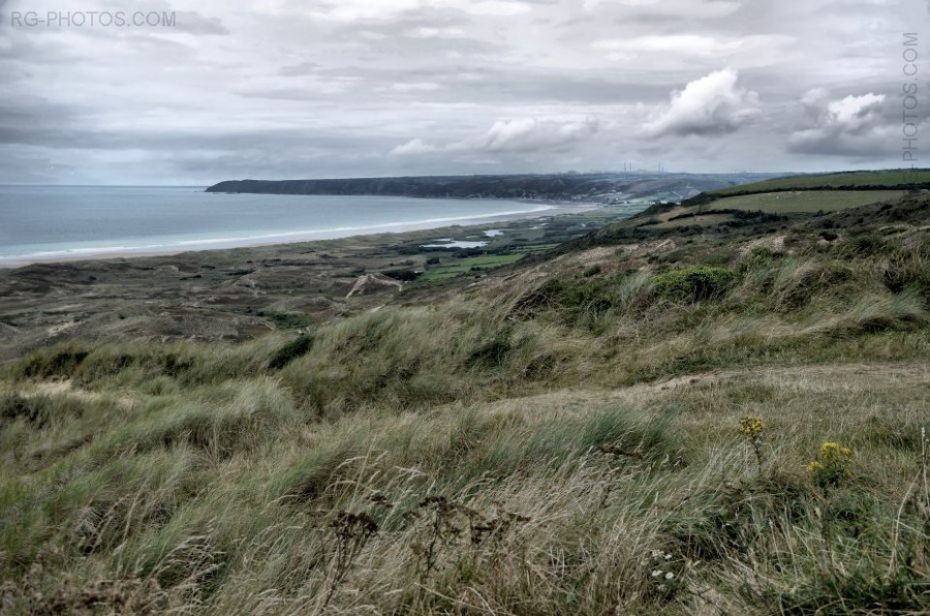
x,y
211,90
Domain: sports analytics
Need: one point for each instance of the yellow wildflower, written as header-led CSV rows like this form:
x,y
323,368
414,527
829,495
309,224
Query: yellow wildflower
x,y
751,427
831,464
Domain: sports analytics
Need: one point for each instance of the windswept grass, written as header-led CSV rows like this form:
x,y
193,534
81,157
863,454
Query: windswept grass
x,y
708,431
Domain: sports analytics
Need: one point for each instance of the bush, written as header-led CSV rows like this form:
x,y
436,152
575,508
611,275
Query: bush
x,y
584,301
403,275
14,406
694,284
797,283
286,320
491,352
909,269
56,363
290,351
865,245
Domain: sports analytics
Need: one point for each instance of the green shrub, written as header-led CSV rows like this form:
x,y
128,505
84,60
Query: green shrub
x,y
102,363
590,297
909,269
287,320
694,284
864,245
403,275
491,352
58,362
762,255
797,283
585,301
290,351
14,406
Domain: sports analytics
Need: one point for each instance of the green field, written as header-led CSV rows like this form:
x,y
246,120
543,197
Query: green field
x,y
701,219
461,266
890,178
523,250
804,201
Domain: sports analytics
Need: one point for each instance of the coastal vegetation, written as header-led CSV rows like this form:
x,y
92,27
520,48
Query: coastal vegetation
x,y
728,417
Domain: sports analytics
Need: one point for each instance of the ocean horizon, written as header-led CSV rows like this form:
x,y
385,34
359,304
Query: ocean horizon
x,y
60,223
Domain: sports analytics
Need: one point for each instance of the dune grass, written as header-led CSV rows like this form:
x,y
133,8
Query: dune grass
x,y
566,444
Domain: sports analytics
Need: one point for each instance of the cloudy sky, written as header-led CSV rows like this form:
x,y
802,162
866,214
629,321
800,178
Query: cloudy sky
x,y
341,88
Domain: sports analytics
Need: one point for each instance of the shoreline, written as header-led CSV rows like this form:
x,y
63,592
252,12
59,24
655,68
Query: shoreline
x,y
544,209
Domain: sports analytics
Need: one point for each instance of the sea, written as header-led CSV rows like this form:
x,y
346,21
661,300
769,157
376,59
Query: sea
x,y
58,223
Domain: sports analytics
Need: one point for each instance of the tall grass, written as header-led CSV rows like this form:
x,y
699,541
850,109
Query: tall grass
x,y
520,452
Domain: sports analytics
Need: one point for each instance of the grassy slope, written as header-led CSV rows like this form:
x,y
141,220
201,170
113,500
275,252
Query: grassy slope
x,y
804,201
890,178
783,197
559,439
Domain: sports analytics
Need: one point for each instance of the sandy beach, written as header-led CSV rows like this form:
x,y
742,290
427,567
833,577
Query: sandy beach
x,y
534,210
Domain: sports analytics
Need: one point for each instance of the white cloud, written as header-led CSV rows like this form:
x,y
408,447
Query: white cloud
x,y
517,135
435,33
498,8
712,105
681,8
850,126
413,147
676,43
531,134
748,50
414,86
355,10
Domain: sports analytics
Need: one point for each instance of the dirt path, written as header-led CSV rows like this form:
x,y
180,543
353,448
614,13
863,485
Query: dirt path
x,y
867,371
853,377
67,388
812,378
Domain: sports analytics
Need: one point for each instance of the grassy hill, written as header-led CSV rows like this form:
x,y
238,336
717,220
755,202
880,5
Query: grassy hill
x,y
721,418
850,180
772,202
794,202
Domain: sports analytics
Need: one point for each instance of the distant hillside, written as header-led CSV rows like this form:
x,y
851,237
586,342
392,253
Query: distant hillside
x,y
847,180
770,202
597,187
